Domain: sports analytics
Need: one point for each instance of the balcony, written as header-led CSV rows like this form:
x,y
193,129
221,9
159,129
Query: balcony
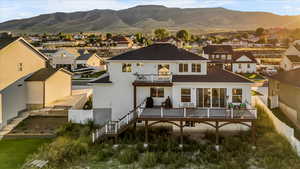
x,y
153,79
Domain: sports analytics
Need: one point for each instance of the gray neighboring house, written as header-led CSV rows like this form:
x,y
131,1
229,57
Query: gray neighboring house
x,y
284,92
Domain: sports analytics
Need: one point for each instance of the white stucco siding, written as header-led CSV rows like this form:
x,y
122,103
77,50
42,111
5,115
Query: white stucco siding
x,y
18,60
244,68
13,100
35,92
57,86
176,91
286,64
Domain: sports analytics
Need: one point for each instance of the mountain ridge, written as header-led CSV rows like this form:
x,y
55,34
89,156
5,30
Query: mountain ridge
x,y
148,17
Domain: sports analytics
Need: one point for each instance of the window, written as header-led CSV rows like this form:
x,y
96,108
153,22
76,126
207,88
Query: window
x,y
183,67
196,67
240,66
185,95
140,64
126,67
157,92
248,66
229,57
163,69
237,95
20,67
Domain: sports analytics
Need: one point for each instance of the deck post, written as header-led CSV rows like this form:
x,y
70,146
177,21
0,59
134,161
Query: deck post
x,y
181,134
146,132
161,112
217,135
253,134
134,96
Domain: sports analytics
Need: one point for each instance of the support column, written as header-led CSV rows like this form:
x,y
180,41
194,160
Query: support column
x,y
181,134
134,96
217,135
146,132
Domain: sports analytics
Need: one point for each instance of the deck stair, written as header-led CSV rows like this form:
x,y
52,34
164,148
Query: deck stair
x,y
115,128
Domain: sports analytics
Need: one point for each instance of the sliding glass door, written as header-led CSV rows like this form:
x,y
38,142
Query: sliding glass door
x,y
211,97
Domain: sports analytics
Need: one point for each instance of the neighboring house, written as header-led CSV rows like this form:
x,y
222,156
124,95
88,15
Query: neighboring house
x,y
46,86
87,59
18,61
291,58
284,92
61,58
171,40
164,71
122,41
243,62
219,55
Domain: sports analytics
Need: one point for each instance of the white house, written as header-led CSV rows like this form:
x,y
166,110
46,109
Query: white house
x,y
19,61
243,62
291,58
162,71
92,60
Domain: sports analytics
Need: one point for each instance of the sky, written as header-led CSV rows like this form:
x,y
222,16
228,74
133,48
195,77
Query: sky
x,y
17,9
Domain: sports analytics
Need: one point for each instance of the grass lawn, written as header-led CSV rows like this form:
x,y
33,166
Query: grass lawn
x,y
14,152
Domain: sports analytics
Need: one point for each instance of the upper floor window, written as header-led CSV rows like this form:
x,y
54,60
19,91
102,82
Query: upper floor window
x,y
237,95
228,57
196,67
248,66
20,67
183,67
163,69
185,95
157,92
126,67
240,66
140,64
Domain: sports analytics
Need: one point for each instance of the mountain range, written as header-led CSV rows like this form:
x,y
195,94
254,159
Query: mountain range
x,y
149,17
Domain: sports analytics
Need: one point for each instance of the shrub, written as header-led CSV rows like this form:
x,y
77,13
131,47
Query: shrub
x,y
148,160
169,157
104,154
128,156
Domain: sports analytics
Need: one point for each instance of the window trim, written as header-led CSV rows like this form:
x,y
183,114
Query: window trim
x,y
185,67
156,92
195,67
124,69
237,95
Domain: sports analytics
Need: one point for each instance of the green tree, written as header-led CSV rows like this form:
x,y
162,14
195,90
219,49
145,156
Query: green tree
x,y
245,35
161,33
108,36
260,31
139,37
183,35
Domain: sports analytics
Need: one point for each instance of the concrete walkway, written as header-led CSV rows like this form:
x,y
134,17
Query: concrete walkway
x,y
9,127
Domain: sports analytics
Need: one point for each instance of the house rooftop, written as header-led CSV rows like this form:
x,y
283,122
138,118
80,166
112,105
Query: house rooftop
x,y
293,58
84,56
290,77
103,79
6,41
48,50
158,52
213,75
218,49
237,55
44,73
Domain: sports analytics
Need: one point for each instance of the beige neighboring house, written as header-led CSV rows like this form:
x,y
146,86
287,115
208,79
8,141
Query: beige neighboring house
x,y
291,58
19,61
46,86
90,60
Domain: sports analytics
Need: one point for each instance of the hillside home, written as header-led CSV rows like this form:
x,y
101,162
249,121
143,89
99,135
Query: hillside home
x,y
91,60
291,58
122,41
170,75
284,92
61,58
19,61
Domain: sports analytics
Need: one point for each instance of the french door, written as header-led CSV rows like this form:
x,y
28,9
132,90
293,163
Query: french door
x,y
211,97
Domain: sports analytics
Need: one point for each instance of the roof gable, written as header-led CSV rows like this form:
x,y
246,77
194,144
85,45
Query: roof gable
x,y
290,77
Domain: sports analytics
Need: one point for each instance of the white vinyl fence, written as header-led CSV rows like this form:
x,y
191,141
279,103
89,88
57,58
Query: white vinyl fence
x,y
80,116
280,126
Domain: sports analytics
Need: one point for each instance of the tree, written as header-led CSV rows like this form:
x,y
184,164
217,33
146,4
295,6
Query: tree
x,y
245,35
183,35
260,31
139,37
108,36
161,33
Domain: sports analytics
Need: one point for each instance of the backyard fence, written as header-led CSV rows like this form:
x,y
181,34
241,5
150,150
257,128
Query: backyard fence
x,y
280,126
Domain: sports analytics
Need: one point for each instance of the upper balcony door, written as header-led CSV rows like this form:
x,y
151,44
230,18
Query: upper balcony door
x,y
211,97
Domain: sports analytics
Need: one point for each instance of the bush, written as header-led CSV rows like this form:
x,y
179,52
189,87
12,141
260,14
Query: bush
x,y
169,158
128,155
148,160
104,154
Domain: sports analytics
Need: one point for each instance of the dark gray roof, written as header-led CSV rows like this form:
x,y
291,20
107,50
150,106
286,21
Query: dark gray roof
x,y
158,52
84,56
293,58
104,79
42,74
218,49
6,41
290,77
237,55
213,75
48,50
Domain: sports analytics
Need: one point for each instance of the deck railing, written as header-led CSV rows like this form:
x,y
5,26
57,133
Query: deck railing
x,y
153,77
201,113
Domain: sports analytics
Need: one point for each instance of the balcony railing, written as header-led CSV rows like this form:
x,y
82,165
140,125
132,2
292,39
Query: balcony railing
x,y
154,78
